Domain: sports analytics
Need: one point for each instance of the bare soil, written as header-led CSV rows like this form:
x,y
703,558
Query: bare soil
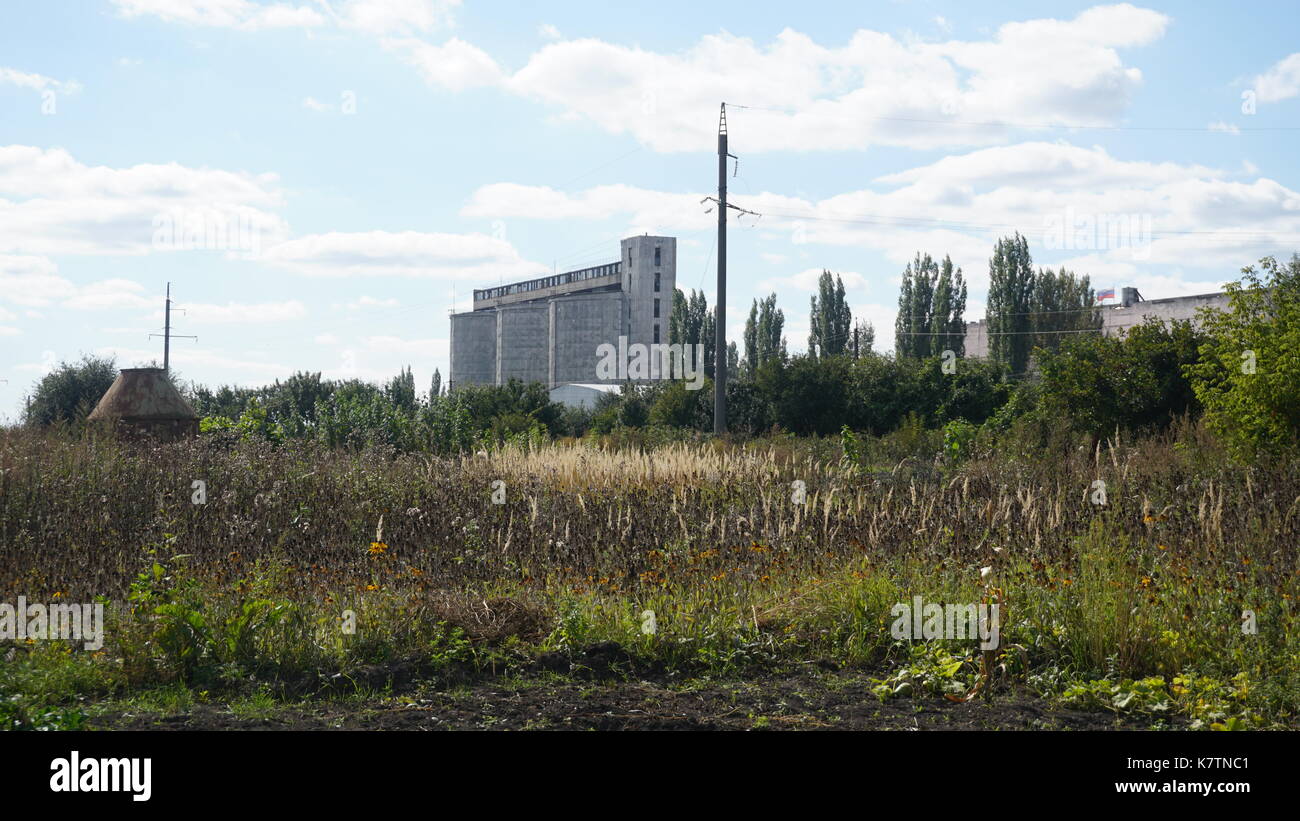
x,y
811,700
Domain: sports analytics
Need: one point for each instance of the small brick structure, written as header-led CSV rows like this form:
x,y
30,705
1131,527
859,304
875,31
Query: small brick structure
x,y
142,402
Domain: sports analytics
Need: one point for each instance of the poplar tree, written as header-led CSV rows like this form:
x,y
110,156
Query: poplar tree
x,y
763,334
1010,303
830,317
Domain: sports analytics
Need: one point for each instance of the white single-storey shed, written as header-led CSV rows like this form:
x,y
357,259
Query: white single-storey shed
x,y
579,395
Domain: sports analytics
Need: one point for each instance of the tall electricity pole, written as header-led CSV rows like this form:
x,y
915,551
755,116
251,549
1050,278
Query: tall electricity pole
x,y
720,338
167,332
720,310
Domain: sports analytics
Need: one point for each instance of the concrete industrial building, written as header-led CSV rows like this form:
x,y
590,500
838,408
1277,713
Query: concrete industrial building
x,y
548,329
1116,319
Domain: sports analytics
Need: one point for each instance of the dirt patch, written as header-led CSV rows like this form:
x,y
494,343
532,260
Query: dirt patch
x,y
800,701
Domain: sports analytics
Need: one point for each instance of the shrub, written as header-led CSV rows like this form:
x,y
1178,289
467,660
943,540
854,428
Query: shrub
x,y
1248,376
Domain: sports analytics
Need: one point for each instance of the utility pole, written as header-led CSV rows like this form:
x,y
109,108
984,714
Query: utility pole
x,y
720,338
720,310
167,332
855,341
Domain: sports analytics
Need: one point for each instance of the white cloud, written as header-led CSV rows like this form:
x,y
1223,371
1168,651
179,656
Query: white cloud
x,y
424,348
49,361
1281,81
468,257
110,294
240,14
27,280
819,97
196,359
455,65
31,281
387,16
36,82
807,279
649,211
960,204
372,302
50,203
368,16
200,313
548,31
881,318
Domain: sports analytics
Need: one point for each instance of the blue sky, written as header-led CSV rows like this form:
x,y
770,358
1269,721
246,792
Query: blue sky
x,y
356,162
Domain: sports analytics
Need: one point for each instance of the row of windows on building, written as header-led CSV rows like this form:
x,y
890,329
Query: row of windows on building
x,y
609,270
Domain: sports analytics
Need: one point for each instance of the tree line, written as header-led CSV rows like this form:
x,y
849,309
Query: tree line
x,y
1048,362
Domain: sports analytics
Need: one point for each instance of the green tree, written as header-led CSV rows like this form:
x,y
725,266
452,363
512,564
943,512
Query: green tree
x,y
1010,303
435,387
400,391
829,318
947,311
931,308
764,339
692,323
677,406
1248,376
807,394
1097,384
1063,305
863,336
70,392
915,307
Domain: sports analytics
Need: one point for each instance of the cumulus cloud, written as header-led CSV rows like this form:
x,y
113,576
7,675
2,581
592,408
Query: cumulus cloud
x,y
239,14
36,82
456,65
31,281
1281,81
369,16
803,95
239,313
430,348
51,203
807,280
387,16
110,294
863,93
1070,201
194,359
372,302
453,257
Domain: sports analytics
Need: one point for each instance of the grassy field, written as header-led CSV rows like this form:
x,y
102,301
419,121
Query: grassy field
x,y
316,587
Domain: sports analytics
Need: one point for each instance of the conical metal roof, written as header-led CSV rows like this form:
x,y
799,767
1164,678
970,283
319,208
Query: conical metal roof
x,y
142,394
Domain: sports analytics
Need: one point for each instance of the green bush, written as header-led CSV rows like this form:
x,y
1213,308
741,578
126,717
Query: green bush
x,y
1248,374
